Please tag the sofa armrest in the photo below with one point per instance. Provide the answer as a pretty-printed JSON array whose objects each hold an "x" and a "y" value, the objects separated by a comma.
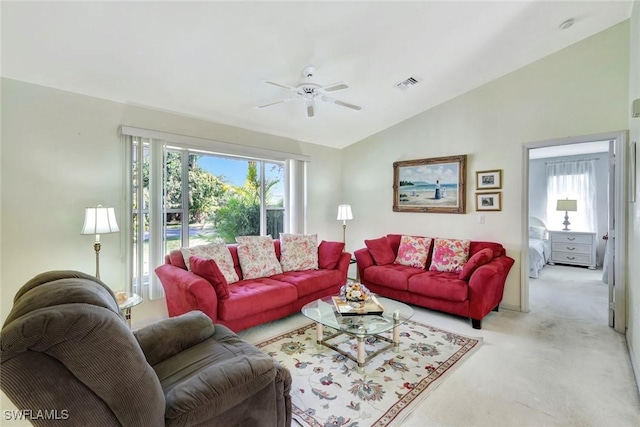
[
  {"x": 364, "y": 260},
  {"x": 219, "y": 388},
  {"x": 486, "y": 286},
  {"x": 169, "y": 337},
  {"x": 186, "y": 291}
]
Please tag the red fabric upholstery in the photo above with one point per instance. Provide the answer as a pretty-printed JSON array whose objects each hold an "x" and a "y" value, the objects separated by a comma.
[
  {"x": 481, "y": 257},
  {"x": 249, "y": 302},
  {"x": 473, "y": 297},
  {"x": 329, "y": 254},
  {"x": 381, "y": 250},
  {"x": 208, "y": 269},
  {"x": 441, "y": 285}
]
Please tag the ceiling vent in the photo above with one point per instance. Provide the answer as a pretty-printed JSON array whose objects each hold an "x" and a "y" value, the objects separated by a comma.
[{"x": 405, "y": 84}]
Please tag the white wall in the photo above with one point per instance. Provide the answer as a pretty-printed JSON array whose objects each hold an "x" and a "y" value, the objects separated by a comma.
[
  {"x": 633, "y": 266},
  {"x": 580, "y": 90},
  {"x": 538, "y": 194},
  {"x": 61, "y": 152}
]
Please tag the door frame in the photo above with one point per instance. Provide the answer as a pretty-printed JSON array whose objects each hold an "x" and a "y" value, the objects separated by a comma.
[{"x": 620, "y": 239}]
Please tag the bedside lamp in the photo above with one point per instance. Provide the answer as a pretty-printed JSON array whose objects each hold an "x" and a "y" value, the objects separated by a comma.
[
  {"x": 344, "y": 215},
  {"x": 99, "y": 220},
  {"x": 567, "y": 206}
]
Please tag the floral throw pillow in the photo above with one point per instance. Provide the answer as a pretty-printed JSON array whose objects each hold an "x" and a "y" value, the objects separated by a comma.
[
  {"x": 257, "y": 257},
  {"x": 449, "y": 255},
  {"x": 216, "y": 251},
  {"x": 413, "y": 251},
  {"x": 298, "y": 252}
]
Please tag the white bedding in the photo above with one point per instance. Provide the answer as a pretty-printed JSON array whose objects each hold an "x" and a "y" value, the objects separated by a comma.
[{"x": 539, "y": 254}]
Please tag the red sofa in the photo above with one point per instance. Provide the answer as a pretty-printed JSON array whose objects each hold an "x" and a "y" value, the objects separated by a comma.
[
  {"x": 474, "y": 297},
  {"x": 256, "y": 301}
]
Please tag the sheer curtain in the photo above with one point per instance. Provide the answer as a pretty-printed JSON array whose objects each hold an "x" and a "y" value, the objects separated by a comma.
[{"x": 572, "y": 180}]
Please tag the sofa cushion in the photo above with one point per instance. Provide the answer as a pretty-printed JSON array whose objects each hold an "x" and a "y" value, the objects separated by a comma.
[
  {"x": 329, "y": 254},
  {"x": 217, "y": 251},
  {"x": 413, "y": 251},
  {"x": 311, "y": 281},
  {"x": 255, "y": 296},
  {"x": 497, "y": 248},
  {"x": 449, "y": 255},
  {"x": 392, "y": 275},
  {"x": 257, "y": 257},
  {"x": 381, "y": 250},
  {"x": 479, "y": 258},
  {"x": 298, "y": 252},
  {"x": 441, "y": 285},
  {"x": 208, "y": 269}
]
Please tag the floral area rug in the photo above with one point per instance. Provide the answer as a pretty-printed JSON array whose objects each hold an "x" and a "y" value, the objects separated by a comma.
[{"x": 328, "y": 390}]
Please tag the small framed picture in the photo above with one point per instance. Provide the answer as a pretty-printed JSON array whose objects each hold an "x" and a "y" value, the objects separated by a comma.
[
  {"x": 489, "y": 180},
  {"x": 489, "y": 201}
]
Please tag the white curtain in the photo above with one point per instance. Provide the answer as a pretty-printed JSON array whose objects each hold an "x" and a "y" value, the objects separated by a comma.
[{"x": 572, "y": 180}]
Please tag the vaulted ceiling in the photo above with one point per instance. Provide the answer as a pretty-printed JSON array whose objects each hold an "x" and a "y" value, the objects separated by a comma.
[{"x": 210, "y": 60}]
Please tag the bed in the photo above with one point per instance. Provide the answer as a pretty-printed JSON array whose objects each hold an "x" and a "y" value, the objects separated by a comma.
[{"x": 539, "y": 246}]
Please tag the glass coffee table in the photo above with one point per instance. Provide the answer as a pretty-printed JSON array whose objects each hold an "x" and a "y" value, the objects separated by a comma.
[{"x": 324, "y": 312}]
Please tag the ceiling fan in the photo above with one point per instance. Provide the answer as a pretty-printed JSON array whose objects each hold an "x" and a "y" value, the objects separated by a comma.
[{"x": 310, "y": 91}]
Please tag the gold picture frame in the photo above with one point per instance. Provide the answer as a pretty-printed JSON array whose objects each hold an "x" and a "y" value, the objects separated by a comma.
[
  {"x": 489, "y": 201},
  {"x": 489, "y": 180},
  {"x": 435, "y": 185}
]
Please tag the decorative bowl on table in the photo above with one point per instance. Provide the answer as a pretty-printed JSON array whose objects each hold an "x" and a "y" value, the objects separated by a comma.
[{"x": 355, "y": 293}]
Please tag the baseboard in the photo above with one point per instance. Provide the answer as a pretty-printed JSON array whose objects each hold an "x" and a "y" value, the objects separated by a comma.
[
  {"x": 634, "y": 366},
  {"x": 510, "y": 307}
]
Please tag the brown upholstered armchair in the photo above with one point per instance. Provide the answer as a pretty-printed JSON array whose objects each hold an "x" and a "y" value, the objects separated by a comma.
[{"x": 67, "y": 351}]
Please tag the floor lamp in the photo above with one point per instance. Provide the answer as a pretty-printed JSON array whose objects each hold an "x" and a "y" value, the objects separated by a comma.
[
  {"x": 99, "y": 220},
  {"x": 344, "y": 215}
]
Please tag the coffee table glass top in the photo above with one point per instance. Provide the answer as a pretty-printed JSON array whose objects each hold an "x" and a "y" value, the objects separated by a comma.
[{"x": 324, "y": 311}]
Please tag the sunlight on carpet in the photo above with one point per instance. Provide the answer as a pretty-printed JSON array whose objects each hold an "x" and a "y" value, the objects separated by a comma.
[{"x": 327, "y": 388}]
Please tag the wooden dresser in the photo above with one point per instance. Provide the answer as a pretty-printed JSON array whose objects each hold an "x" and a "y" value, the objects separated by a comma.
[{"x": 573, "y": 248}]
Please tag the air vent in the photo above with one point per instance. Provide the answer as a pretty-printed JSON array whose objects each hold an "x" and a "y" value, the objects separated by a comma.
[{"x": 411, "y": 81}]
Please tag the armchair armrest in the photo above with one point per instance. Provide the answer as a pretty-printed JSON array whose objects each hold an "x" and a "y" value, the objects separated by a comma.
[
  {"x": 364, "y": 260},
  {"x": 169, "y": 337},
  {"x": 219, "y": 388},
  {"x": 486, "y": 286},
  {"x": 186, "y": 291}
]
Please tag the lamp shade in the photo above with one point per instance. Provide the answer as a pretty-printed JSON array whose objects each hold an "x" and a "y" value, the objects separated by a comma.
[
  {"x": 344, "y": 213},
  {"x": 99, "y": 220},
  {"x": 567, "y": 205}
]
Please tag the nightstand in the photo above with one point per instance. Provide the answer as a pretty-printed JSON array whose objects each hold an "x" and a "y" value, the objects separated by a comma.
[{"x": 573, "y": 248}]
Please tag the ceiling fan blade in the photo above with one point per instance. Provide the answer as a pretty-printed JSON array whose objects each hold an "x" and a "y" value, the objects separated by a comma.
[
  {"x": 280, "y": 85},
  {"x": 335, "y": 86},
  {"x": 275, "y": 103},
  {"x": 341, "y": 103},
  {"x": 311, "y": 109}
]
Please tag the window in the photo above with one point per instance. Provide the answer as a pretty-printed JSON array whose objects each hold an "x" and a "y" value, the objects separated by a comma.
[{"x": 184, "y": 196}]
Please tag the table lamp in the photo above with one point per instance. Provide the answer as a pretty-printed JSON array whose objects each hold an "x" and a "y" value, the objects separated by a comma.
[
  {"x": 99, "y": 220},
  {"x": 344, "y": 215},
  {"x": 567, "y": 206}
]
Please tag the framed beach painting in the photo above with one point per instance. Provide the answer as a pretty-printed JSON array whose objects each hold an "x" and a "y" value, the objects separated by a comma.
[
  {"x": 430, "y": 185},
  {"x": 489, "y": 180},
  {"x": 489, "y": 201}
]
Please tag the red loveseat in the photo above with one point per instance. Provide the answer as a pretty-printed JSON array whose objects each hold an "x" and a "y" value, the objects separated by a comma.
[
  {"x": 474, "y": 296},
  {"x": 256, "y": 301}
]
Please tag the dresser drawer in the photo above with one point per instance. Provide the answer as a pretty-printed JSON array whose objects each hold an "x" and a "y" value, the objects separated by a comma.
[
  {"x": 571, "y": 248},
  {"x": 586, "y": 239},
  {"x": 565, "y": 258}
]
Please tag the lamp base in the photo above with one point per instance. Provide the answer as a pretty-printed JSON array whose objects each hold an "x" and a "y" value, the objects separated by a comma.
[{"x": 566, "y": 222}]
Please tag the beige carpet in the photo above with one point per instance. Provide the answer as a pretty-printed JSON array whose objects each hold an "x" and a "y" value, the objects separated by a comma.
[{"x": 558, "y": 365}]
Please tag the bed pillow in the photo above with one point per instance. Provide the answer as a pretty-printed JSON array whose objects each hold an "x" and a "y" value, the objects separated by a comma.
[
  {"x": 257, "y": 256},
  {"x": 536, "y": 232},
  {"x": 413, "y": 251},
  {"x": 298, "y": 252},
  {"x": 216, "y": 251},
  {"x": 329, "y": 254},
  {"x": 449, "y": 255},
  {"x": 381, "y": 251},
  {"x": 208, "y": 269},
  {"x": 481, "y": 257}
]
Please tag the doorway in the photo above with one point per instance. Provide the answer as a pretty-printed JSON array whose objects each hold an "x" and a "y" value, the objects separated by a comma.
[{"x": 616, "y": 226}]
